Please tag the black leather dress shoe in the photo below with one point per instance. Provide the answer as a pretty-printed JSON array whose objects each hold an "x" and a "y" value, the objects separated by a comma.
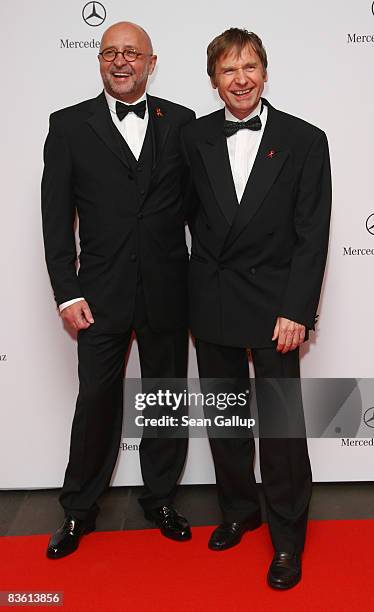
[
  {"x": 66, "y": 539},
  {"x": 228, "y": 534},
  {"x": 285, "y": 570},
  {"x": 171, "y": 524}
]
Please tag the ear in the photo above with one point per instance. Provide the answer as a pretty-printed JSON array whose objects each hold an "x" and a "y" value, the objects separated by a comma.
[
  {"x": 265, "y": 76},
  {"x": 152, "y": 64}
]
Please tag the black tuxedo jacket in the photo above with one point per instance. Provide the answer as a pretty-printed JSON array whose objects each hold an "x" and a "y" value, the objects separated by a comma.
[
  {"x": 265, "y": 257},
  {"x": 122, "y": 226}
]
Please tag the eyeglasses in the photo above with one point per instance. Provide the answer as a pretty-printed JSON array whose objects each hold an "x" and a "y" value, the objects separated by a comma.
[{"x": 130, "y": 55}]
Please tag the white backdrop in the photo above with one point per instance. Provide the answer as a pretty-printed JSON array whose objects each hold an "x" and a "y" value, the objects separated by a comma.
[{"x": 319, "y": 69}]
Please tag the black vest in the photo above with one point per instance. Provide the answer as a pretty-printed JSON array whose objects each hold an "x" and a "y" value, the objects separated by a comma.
[
  {"x": 141, "y": 169},
  {"x": 140, "y": 172}
]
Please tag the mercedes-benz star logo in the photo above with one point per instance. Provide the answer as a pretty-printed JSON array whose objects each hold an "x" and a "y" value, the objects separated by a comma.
[
  {"x": 369, "y": 417},
  {"x": 94, "y": 14},
  {"x": 370, "y": 224}
]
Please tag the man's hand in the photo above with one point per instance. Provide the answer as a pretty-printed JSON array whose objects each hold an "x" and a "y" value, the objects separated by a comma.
[
  {"x": 289, "y": 334},
  {"x": 78, "y": 316}
]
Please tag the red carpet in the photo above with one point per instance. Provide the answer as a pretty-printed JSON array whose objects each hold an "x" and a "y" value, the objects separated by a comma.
[{"x": 141, "y": 570}]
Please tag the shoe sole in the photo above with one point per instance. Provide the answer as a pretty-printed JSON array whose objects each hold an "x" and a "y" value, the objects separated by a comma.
[
  {"x": 282, "y": 587},
  {"x": 176, "y": 539}
]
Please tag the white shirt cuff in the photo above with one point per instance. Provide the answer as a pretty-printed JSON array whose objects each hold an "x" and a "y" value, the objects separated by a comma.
[{"x": 69, "y": 303}]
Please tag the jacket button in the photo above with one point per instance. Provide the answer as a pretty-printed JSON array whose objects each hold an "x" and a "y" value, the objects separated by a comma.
[
  {"x": 140, "y": 168},
  {"x": 133, "y": 257},
  {"x": 208, "y": 227},
  {"x": 140, "y": 216},
  {"x": 253, "y": 270},
  {"x": 142, "y": 192}
]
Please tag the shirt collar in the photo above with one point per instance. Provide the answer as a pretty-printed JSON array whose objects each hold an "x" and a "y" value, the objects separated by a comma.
[
  {"x": 112, "y": 101},
  {"x": 230, "y": 117}
]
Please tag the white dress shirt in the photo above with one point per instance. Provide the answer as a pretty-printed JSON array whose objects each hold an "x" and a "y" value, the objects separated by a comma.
[
  {"x": 243, "y": 148},
  {"x": 133, "y": 129}
]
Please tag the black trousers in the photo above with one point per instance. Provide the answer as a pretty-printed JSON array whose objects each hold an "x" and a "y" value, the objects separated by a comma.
[
  {"x": 284, "y": 461},
  {"x": 97, "y": 424}
]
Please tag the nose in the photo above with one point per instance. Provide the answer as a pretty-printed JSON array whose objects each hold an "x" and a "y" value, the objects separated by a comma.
[
  {"x": 241, "y": 77},
  {"x": 119, "y": 60}
]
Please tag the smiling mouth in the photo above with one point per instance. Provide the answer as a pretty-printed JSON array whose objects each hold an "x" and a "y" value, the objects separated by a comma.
[
  {"x": 242, "y": 92},
  {"x": 121, "y": 75}
]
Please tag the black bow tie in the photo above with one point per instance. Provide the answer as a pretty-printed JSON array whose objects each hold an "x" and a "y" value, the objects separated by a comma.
[
  {"x": 231, "y": 127},
  {"x": 123, "y": 109}
]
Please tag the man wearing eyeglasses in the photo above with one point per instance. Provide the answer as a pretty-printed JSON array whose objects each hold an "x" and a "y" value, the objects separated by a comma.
[{"x": 116, "y": 161}]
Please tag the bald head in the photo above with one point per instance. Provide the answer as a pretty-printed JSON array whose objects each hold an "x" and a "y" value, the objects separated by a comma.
[
  {"x": 124, "y": 30},
  {"x": 125, "y": 78}
]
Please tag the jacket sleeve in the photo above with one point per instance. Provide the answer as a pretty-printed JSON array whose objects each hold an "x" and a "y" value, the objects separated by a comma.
[
  {"x": 58, "y": 215},
  {"x": 311, "y": 222},
  {"x": 191, "y": 200}
]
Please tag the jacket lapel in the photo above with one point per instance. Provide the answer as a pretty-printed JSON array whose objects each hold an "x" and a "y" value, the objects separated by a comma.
[
  {"x": 213, "y": 150},
  {"x": 101, "y": 122},
  {"x": 160, "y": 127},
  {"x": 268, "y": 164}
]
